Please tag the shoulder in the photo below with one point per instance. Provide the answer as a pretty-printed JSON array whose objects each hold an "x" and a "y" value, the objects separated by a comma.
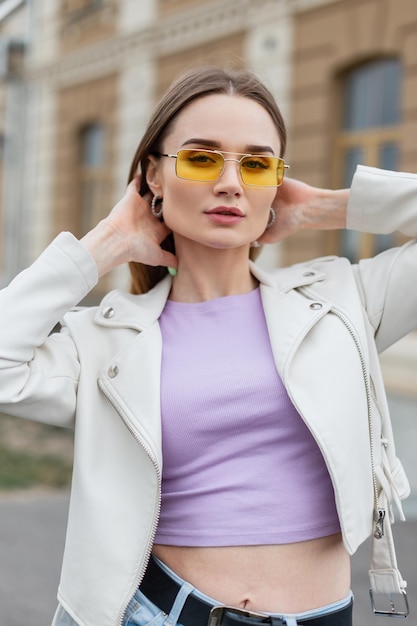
[
  {"x": 305, "y": 273},
  {"x": 119, "y": 309}
]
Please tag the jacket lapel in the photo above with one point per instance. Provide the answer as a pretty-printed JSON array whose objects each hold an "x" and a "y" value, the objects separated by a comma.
[
  {"x": 131, "y": 378},
  {"x": 288, "y": 314}
]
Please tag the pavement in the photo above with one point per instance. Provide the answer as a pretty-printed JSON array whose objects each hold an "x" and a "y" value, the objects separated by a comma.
[{"x": 32, "y": 532}]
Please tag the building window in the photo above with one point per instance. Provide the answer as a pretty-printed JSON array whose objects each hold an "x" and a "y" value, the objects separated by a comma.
[
  {"x": 369, "y": 135},
  {"x": 92, "y": 140},
  {"x": 79, "y": 9}
]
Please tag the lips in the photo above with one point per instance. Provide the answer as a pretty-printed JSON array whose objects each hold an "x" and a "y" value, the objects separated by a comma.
[
  {"x": 225, "y": 215},
  {"x": 225, "y": 210}
]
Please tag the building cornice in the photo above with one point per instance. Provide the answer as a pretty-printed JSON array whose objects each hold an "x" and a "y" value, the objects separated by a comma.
[{"x": 167, "y": 35}]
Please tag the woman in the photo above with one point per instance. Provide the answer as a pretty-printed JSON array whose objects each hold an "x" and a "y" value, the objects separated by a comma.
[{"x": 253, "y": 387}]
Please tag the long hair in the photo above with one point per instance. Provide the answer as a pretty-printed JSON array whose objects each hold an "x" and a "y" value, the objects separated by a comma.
[{"x": 196, "y": 83}]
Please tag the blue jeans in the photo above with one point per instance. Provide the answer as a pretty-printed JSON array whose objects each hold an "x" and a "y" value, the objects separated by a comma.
[{"x": 142, "y": 612}]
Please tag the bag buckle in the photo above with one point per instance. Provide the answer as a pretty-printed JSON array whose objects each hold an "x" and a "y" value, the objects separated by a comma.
[
  {"x": 217, "y": 612},
  {"x": 393, "y": 612}
]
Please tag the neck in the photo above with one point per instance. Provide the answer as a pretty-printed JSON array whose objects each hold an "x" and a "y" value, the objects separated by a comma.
[{"x": 207, "y": 273}]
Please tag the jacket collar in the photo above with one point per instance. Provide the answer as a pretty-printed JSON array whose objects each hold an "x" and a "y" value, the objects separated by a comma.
[{"x": 121, "y": 309}]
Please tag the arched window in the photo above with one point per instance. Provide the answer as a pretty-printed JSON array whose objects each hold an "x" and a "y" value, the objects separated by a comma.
[
  {"x": 369, "y": 135},
  {"x": 92, "y": 144}
]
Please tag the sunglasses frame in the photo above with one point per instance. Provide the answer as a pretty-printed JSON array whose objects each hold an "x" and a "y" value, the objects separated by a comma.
[{"x": 222, "y": 153}]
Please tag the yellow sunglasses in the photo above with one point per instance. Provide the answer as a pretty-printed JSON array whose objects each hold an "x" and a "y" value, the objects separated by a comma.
[{"x": 208, "y": 165}]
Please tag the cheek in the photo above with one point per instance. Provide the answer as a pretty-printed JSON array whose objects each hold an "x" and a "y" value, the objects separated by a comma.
[
  {"x": 181, "y": 196},
  {"x": 177, "y": 208},
  {"x": 262, "y": 202},
  {"x": 271, "y": 196}
]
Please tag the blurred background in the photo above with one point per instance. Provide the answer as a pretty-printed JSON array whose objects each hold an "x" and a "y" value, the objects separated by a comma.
[{"x": 79, "y": 78}]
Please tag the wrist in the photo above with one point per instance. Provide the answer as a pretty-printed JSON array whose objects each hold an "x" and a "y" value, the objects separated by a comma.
[
  {"x": 326, "y": 209},
  {"x": 106, "y": 246}
]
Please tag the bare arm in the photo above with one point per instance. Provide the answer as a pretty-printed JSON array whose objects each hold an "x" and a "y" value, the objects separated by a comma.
[
  {"x": 299, "y": 206},
  {"x": 129, "y": 233}
]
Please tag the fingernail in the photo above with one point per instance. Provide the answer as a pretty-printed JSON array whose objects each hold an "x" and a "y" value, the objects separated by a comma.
[{"x": 172, "y": 271}]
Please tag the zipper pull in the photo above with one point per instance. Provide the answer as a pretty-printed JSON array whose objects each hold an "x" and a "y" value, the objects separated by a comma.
[{"x": 379, "y": 523}]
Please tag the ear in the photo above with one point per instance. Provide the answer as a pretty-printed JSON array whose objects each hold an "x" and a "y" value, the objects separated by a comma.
[{"x": 153, "y": 175}]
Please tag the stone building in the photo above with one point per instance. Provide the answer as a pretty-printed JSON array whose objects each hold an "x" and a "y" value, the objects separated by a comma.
[{"x": 78, "y": 79}]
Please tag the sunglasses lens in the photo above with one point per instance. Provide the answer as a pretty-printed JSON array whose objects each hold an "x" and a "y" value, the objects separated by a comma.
[
  {"x": 262, "y": 171},
  {"x": 206, "y": 165},
  {"x": 199, "y": 165}
]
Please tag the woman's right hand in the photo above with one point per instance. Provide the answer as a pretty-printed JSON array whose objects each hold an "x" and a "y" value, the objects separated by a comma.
[{"x": 129, "y": 233}]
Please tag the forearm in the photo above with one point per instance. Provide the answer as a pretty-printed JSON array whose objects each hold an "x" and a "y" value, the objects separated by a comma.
[
  {"x": 129, "y": 233},
  {"x": 379, "y": 201},
  {"x": 106, "y": 246},
  {"x": 300, "y": 206},
  {"x": 326, "y": 210}
]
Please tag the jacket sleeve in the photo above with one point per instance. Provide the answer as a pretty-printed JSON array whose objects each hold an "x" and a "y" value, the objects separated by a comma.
[
  {"x": 39, "y": 370},
  {"x": 382, "y": 201}
]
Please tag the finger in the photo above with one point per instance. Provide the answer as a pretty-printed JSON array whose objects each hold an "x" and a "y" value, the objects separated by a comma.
[
  {"x": 148, "y": 197},
  {"x": 134, "y": 184},
  {"x": 169, "y": 260},
  {"x": 162, "y": 230}
]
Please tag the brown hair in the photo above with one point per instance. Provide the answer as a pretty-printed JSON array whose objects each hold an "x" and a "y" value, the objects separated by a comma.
[{"x": 196, "y": 83}]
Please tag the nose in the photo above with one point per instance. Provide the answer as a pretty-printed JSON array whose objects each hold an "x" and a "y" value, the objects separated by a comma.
[{"x": 229, "y": 181}]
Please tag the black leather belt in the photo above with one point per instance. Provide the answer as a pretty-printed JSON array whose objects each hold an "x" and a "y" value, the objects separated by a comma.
[{"x": 162, "y": 590}]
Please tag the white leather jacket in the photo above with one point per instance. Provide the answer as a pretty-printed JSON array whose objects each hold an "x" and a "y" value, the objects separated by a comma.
[{"x": 326, "y": 319}]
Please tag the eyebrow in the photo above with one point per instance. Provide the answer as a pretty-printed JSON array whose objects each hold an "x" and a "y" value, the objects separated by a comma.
[{"x": 215, "y": 145}]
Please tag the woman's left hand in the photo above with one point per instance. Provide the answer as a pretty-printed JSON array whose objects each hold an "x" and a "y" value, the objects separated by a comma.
[{"x": 298, "y": 206}]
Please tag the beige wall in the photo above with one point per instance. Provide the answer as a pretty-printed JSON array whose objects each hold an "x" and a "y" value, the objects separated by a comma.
[
  {"x": 170, "y": 7},
  {"x": 94, "y": 101},
  {"x": 78, "y": 106},
  {"x": 225, "y": 50},
  {"x": 331, "y": 39},
  {"x": 328, "y": 40},
  {"x": 84, "y": 22}
]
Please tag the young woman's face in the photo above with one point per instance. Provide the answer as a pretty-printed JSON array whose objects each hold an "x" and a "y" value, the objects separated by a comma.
[{"x": 224, "y": 213}]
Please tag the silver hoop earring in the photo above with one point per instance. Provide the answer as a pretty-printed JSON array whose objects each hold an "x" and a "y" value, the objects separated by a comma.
[
  {"x": 271, "y": 218},
  {"x": 154, "y": 211}
]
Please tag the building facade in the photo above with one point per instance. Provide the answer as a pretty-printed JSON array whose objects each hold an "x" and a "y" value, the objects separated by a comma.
[{"x": 78, "y": 80}]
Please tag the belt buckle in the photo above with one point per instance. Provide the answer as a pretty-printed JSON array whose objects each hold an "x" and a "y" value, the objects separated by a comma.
[
  {"x": 393, "y": 612},
  {"x": 217, "y": 612}
]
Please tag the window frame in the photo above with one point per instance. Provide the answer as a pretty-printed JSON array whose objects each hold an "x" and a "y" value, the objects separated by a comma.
[{"x": 369, "y": 140}]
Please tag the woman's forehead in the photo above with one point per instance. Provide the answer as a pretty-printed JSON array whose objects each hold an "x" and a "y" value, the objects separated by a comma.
[{"x": 222, "y": 118}]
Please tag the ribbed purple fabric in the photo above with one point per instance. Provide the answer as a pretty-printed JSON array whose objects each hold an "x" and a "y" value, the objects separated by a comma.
[{"x": 240, "y": 465}]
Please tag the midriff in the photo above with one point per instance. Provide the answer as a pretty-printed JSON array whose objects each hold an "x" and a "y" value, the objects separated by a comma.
[{"x": 288, "y": 578}]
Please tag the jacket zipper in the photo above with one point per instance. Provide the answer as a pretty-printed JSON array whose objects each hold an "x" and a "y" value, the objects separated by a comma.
[
  {"x": 379, "y": 512},
  {"x": 148, "y": 451}
]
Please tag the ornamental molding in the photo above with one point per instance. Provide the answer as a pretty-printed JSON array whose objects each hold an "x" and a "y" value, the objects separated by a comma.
[{"x": 164, "y": 36}]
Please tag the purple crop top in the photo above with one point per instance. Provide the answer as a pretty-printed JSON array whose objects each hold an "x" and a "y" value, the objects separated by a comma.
[{"x": 240, "y": 466}]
